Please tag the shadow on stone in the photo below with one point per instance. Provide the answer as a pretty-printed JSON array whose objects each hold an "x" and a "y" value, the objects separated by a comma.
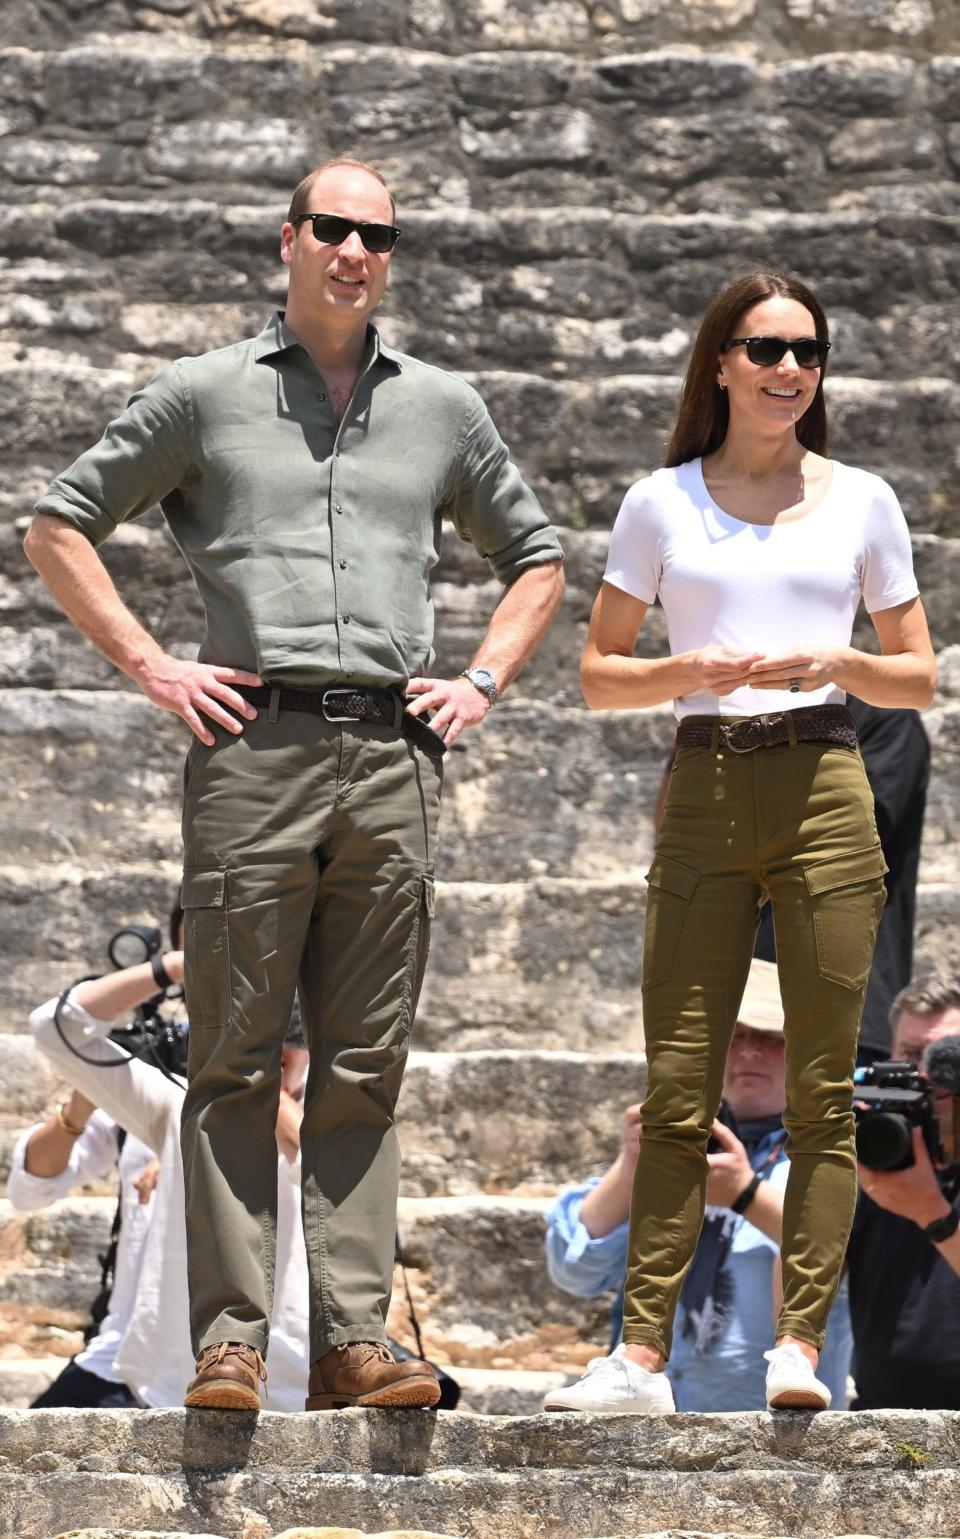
[
  {"x": 399, "y": 1442},
  {"x": 217, "y": 1441}
]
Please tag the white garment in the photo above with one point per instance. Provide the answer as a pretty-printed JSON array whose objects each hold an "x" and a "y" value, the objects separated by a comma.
[
  {"x": 95, "y": 1154},
  {"x": 155, "y": 1359},
  {"x": 770, "y": 588}
]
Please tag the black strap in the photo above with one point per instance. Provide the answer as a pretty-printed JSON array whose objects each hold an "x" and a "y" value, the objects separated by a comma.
[
  {"x": 354, "y": 704},
  {"x": 746, "y": 1196}
]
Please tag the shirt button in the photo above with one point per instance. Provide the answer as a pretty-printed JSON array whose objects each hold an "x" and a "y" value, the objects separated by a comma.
[
  {"x": 346, "y": 619},
  {"x": 339, "y": 509},
  {"x": 342, "y": 565},
  {"x": 321, "y": 396}
]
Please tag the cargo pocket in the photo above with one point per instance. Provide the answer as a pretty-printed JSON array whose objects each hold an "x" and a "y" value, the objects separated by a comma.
[
  {"x": 671, "y": 886},
  {"x": 206, "y": 947},
  {"x": 417, "y": 949},
  {"x": 847, "y": 895}
]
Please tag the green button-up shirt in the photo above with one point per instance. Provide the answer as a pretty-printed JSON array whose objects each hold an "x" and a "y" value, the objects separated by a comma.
[{"x": 311, "y": 543}]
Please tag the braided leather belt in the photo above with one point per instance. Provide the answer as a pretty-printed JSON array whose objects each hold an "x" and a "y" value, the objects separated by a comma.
[
  {"x": 338, "y": 704},
  {"x": 811, "y": 724}
]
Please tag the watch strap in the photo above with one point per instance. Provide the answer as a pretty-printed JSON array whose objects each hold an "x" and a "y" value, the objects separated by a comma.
[
  {"x": 942, "y": 1228},
  {"x": 161, "y": 977},
  {"x": 746, "y": 1196}
]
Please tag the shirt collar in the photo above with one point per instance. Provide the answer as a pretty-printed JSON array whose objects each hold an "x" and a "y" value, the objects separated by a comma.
[{"x": 276, "y": 337}]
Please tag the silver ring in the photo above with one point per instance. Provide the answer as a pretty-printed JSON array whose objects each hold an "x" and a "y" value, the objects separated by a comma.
[{"x": 794, "y": 686}]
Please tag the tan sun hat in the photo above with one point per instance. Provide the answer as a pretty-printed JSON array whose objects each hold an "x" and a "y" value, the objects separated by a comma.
[{"x": 762, "y": 1007}]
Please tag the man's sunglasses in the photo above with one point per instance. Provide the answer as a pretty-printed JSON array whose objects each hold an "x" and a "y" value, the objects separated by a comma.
[
  {"x": 809, "y": 352},
  {"x": 332, "y": 229}
]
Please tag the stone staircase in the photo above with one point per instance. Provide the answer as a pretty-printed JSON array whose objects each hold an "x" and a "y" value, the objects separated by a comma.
[{"x": 575, "y": 178}]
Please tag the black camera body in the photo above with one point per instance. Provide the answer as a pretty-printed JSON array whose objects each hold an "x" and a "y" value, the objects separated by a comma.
[
  {"x": 149, "y": 1035},
  {"x": 889, "y": 1101}
]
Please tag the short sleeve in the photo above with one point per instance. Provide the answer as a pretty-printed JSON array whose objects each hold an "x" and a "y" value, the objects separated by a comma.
[
  {"x": 493, "y": 507},
  {"x": 634, "y": 562},
  {"x": 887, "y": 574},
  {"x": 143, "y": 456}
]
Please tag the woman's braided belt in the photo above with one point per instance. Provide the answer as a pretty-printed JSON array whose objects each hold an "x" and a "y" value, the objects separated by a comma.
[{"x": 810, "y": 724}]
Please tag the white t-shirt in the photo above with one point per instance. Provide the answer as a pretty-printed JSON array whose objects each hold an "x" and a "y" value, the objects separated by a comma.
[{"x": 760, "y": 587}]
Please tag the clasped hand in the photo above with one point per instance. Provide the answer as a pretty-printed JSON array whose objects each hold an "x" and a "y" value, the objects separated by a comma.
[{"x": 723, "y": 669}]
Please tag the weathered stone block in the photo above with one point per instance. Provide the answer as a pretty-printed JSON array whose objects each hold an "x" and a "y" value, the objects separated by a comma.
[
  {"x": 232, "y": 149},
  {"x": 945, "y": 78},
  {"x": 674, "y": 150},
  {"x": 893, "y": 18},
  {"x": 847, "y": 83},
  {"x": 541, "y": 137},
  {"x": 873, "y": 144},
  {"x": 669, "y": 76}
]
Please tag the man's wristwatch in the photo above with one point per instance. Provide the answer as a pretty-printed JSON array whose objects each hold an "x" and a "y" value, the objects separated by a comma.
[
  {"x": 482, "y": 679},
  {"x": 942, "y": 1228}
]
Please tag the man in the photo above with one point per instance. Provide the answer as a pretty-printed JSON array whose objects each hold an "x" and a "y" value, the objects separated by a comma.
[
  {"x": 727, "y": 1308},
  {"x": 304, "y": 473},
  {"x": 904, "y": 1255},
  {"x": 149, "y": 1313}
]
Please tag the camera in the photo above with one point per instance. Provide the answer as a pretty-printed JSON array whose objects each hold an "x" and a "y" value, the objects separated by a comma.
[
  {"x": 149, "y": 1035},
  {"x": 889, "y": 1101}
]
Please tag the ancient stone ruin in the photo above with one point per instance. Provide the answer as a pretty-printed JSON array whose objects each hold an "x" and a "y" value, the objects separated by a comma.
[{"x": 574, "y": 179}]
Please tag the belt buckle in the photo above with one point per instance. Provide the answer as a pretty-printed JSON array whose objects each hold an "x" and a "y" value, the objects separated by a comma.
[
  {"x": 328, "y": 715},
  {"x": 749, "y": 723}
]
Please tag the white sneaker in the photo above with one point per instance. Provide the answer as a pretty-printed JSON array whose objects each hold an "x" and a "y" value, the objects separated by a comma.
[
  {"x": 613, "y": 1384},
  {"x": 792, "y": 1383}
]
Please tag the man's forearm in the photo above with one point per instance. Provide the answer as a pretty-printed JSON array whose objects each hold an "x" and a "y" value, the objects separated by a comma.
[
  {"x": 84, "y": 589},
  {"x": 520, "y": 622},
  {"x": 607, "y": 1206}
]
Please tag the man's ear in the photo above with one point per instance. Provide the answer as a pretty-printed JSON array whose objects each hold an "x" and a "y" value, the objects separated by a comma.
[{"x": 288, "y": 235}]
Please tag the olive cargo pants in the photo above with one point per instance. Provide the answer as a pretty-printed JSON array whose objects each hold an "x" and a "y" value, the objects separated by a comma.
[
  {"x": 308, "y": 861},
  {"x": 794, "y": 822}
]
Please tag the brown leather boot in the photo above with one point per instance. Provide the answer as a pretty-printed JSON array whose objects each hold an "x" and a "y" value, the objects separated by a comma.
[
  {"x": 229, "y": 1375},
  {"x": 366, "y": 1373}
]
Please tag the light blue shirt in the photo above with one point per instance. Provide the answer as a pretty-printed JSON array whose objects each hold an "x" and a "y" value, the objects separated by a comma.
[{"x": 732, "y": 1375}]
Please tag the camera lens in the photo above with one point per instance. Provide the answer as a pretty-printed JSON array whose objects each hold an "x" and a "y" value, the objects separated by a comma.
[
  {"x": 134, "y": 944},
  {"x": 884, "y": 1141}
]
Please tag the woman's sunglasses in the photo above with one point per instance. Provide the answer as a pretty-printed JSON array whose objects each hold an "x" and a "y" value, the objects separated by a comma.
[
  {"x": 332, "y": 229},
  {"x": 809, "y": 352}
]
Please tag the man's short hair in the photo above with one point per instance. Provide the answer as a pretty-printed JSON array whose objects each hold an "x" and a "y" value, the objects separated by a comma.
[
  {"x": 929, "y": 994},
  {"x": 300, "y": 202}
]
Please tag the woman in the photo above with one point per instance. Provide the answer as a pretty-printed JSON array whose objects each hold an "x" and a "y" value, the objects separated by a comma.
[{"x": 759, "y": 548}]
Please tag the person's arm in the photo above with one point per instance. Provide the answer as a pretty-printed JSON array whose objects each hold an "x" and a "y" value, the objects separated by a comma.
[
  {"x": 91, "y": 1155},
  {"x": 576, "y": 1262},
  {"x": 904, "y": 674},
  {"x": 145, "y": 455},
  {"x": 49, "y": 1147},
  {"x": 136, "y": 1095},
  {"x": 914, "y": 1193},
  {"x": 289, "y": 1118},
  {"x": 607, "y": 1204},
  {"x": 612, "y": 679},
  {"x": 493, "y": 508},
  {"x": 731, "y": 1174}
]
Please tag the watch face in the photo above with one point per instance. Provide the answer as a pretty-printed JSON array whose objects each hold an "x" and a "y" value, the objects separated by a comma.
[{"x": 483, "y": 677}]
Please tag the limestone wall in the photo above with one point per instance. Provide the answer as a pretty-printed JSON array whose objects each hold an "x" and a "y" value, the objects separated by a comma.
[{"x": 574, "y": 179}]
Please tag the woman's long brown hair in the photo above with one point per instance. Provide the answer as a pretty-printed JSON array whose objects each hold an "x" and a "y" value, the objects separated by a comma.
[{"x": 704, "y": 410}]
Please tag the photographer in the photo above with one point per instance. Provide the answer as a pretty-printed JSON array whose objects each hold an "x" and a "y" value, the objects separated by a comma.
[
  {"x": 904, "y": 1253},
  {"x": 727, "y": 1308},
  {"x": 153, "y": 1353}
]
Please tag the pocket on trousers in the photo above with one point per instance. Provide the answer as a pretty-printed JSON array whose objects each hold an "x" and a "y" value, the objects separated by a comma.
[
  {"x": 847, "y": 894},
  {"x": 418, "y": 948},
  {"x": 671, "y": 886},
  {"x": 206, "y": 947}
]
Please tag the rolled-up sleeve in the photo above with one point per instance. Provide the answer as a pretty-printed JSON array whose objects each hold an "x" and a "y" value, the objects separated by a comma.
[
  {"x": 577, "y": 1263},
  {"x": 493, "y": 507},
  {"x": 144, "y": 455}
]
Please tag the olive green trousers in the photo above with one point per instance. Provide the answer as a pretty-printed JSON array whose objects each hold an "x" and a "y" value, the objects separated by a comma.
[
  {"x": 308, "y": 864},
  {"x": 794, "y": 823}
]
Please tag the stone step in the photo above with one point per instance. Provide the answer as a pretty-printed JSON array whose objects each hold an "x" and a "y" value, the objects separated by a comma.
[
  {"x": 557, "y": 1477},
  {"x": 507, "y": 24},
  {"x": 668, "y": 124},
  {"x": 475, "y": 1267},
  {"x": 492, "y": 1122},
  {"x": 549, "y": 963},
  {"x": 486, "y": 1391},
  {"x": 574, "y": 438}
]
